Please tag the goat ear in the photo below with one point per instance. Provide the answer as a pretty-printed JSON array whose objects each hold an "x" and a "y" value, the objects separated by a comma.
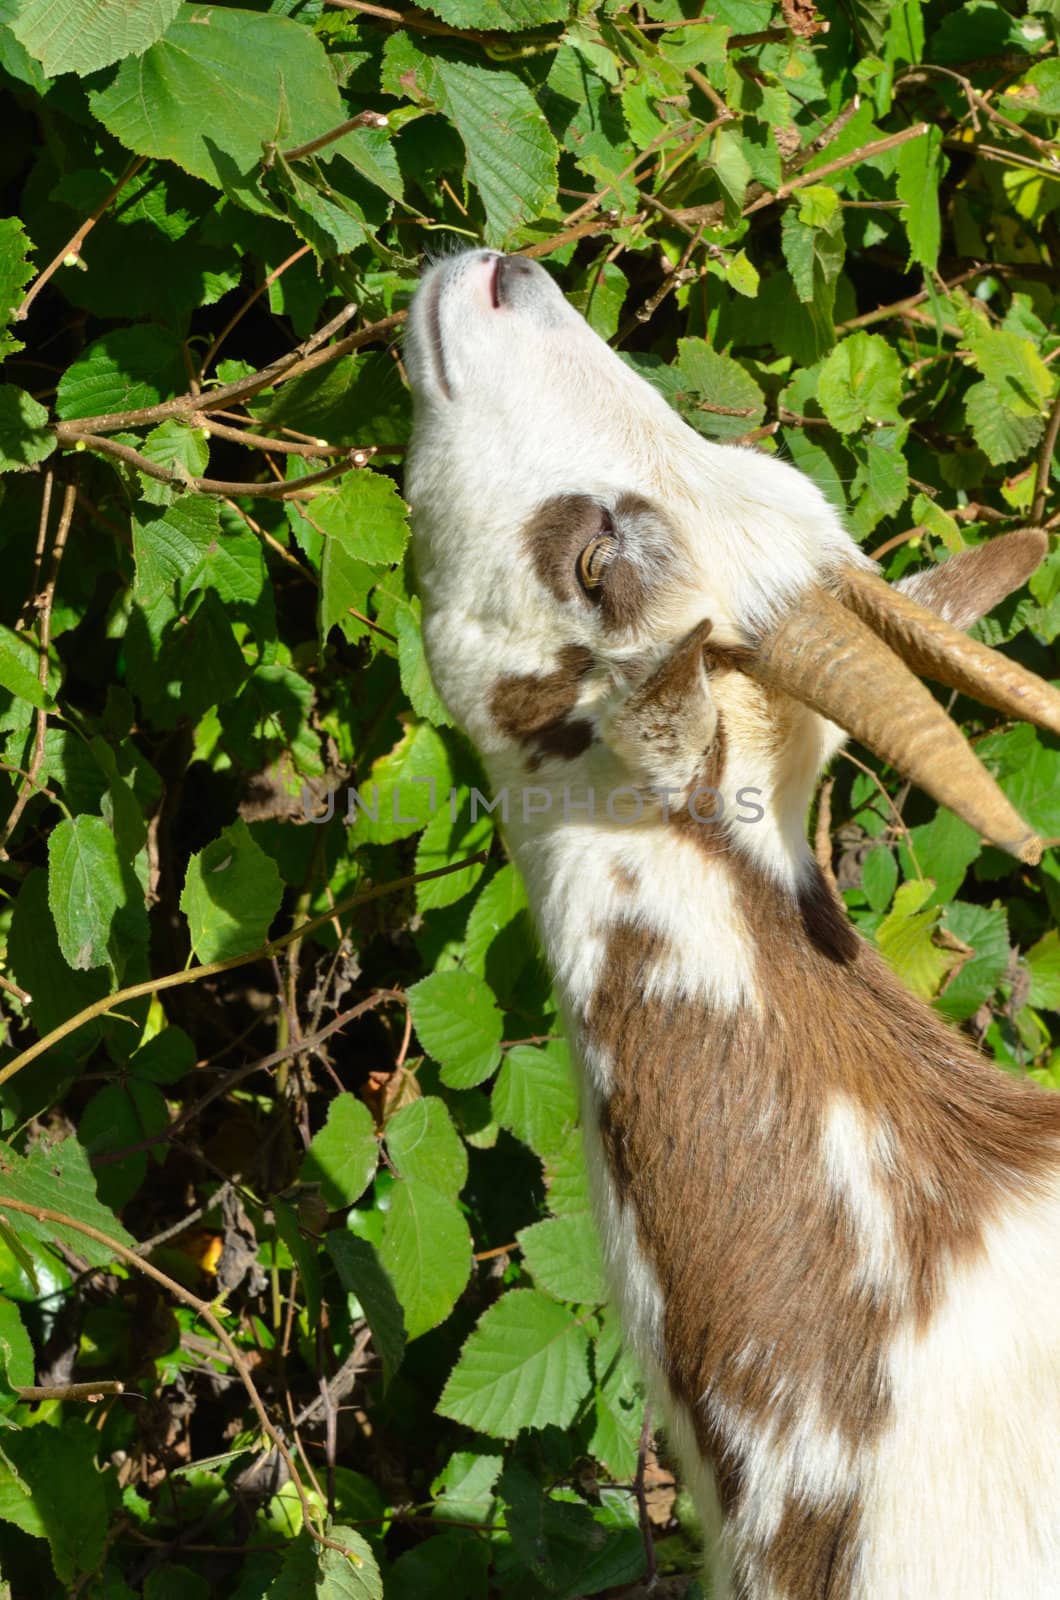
[
  {"x": 968, "y": 585},
  {"x": 662, "y": 731}
]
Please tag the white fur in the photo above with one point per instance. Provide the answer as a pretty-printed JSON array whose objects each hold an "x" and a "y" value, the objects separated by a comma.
[{"x": 854, "y": 1152}]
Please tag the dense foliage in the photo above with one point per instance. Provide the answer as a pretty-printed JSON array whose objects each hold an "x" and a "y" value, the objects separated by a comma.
[{"x": 294, "y": 1237}]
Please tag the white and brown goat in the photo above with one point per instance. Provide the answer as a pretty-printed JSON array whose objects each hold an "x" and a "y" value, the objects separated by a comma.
[{"x": 832, "y": 1227}]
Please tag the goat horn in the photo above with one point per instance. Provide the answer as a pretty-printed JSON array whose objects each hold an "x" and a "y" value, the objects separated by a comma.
[
  {"x": 937, "y": 650},
  {"x": 824, "y": 655}
]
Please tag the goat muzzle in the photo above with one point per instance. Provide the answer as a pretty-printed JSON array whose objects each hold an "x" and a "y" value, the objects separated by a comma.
[{"x": 856, "y": 656}]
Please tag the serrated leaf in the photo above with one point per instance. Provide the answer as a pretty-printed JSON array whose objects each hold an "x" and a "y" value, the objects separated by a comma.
[
  {"x": 415, "y": 674},
  {"x": 443, "y": 842},
  {"x": 907, "y": 938},
  {"x": 219, "y": 86},
  {"x": 512, "y": 157},
  {"x": 89, "y": 35},
  {"x": 366, "y": 514},
  {"x": 426, "y": 1250},
  {"x": 405, "y": 787},
  {"x": 860, "y": 381},
  {"x": 535, "y": 1097},
  {"x": 458, "y": 1024},
  {"x": 58, "y": 1465},
  {"x": 85, "y": 889},
  {"x": 920, "y": 169},
  {"x": 15, "y": 273},
  {"x": 563, "y": 1257},
  {"x": 362, "y": 1274},
  {"x": 984, "y": 929},
  {"x": 525, "y": 1365},
  {"x": 719, "y": 385},
  {"x": 118, "y": 1117},
  {"x": 171, "y": 543},
  {"x": 231, "y": 894},
  {"x": 57, "y": 1177},
  {"x": 19, "y": 665},
  {"x": 423, "y": 1143},
  {"x": 1043, "y": 964},
  {"x": 503, "y": 15},
  {"x": 1000, "y": 434},
  {"x": 24, "y": 435},
  {"x": 879, "y": 876},
  {"x": 314, "y": 1570},
  {"x": 16, "y": 1351},
  {"x": 343, "y": 1156},
  {"x": 124, "y": 370}
]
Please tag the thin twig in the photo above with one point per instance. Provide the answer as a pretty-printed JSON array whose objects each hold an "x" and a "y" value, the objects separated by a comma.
[
  {"x": 237, "y": 316},
  {"x": 363, "y": 119},
  {"x": 44, "y": 604},
  {"x": 642, "y": 1499},
  {"x": 259, "y": 441},
  {"x": 1045, "y": 462},
  {"x": 13, "y": 989},
  {"x": 68, "y": 435},
  {"x": 210, "y": 969},
  {"x": 32, "y": 1393},
  {"x": 73, "y": 245}
]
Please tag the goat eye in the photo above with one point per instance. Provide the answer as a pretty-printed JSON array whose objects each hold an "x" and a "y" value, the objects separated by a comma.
[{"x": 594, "y": 559}]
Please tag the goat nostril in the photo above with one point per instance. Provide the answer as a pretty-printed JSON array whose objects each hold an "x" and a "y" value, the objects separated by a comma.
[
  {"x": 505, "y": 275},
  {"x": 495, "y": 283}
]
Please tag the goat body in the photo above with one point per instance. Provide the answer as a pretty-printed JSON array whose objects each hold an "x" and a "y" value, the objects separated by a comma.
[{"x": 829, "y": 1223}]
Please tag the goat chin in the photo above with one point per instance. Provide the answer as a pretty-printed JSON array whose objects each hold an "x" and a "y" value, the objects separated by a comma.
[{"x": 830, "y": 1225}]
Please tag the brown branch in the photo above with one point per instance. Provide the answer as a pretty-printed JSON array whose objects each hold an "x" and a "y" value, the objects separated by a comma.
[
  {"x": 237, "y": 316},
  {"x": 67, "y": 434},
  {"x": 259, "y": 441},
  {"x": 73, "y": 245},
  {"x": 1045, "y": 462},
  {"x": 13, "y": 989},
  {"x": 173, "y": 980},
  {"x": 304, "y": 358},
  {"x": 31, "y": 1393},
  {"x": 44, "y": 603},
  {"x": 363, "y": 119}
]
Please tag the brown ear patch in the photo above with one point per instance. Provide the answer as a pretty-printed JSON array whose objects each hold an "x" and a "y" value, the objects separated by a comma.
[{"x": 535, "y": 708}]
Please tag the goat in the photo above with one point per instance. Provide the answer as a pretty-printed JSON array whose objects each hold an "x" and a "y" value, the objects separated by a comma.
[{"x": 830, "y": 1225}]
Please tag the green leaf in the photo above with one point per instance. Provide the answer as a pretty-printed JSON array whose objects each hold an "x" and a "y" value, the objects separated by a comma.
[
  {"x": 502, "y": 15},
  {"x": 426, "y": 1250},
  {"x": 405, "y": 788},
  {"x": 85, "y": 889},
  {"x": 920, "y": 168},
  {"x": 879, "y": 876},
  {"x": 16, "y": 1351},
  {"x": 15, "y": 273},
  {"x": 171, "y": 543},
  {"x": 1034, "y": 789},
  {"x": 343, "y": 1156},
  {"x": 89, "y": 35},
  {"x": 231, "y": 894},
  {"x": 19, "y": 663},
  {"x": 524, "y": 1365},
  {"x": 361, "y": 1273},
  {"x": 443, "y": 842},
  {"x": 618, "y": 1401},
  {"x": 415, "y": 674},
  {"x": 907, "y": 938},
  {"x": 310, "y": 1569},
  {"x": 422, "y": 1143},
  {"x": 719, "y": 384},
  {"x": 942, "y": 849},
  {"x": 24, "y": 435},
  {"x": 1001, "y": 434},
  {"x": 1009, "y": 362},
  {"x": 562, "y": 1256},
  {"x": 366, "y": 514},
  {"x": 814, "y": 248},
  {"x": 180, "y": 449},
  {"x": 458, "y": 1024},
  {"x": 512, "y": 157},
  {"x": 861, "y": 381},
  {"x": 1043, "y": 964},
  {"x": 219, "y": 86},
  {"x": 118, "y": 1117},
  {"x": 534, "y": 1096},
  {"x": 57, "y": 1177},
  {"x": 125, "y": 370},
  {"x": 975, "y": 980},
  {"x": 58, "y": 1465}
]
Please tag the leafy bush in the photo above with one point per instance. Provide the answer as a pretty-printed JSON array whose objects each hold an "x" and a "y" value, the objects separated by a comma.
[{"x": 289, "y": 1146}]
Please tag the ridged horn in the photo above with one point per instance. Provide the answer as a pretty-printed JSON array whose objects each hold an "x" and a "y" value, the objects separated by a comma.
[
  {"x": 824, "y": 655},
  {"x": 935, "y": 649}
]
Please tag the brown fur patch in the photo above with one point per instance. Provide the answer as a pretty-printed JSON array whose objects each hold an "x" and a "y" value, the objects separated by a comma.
[
  {"x": 713, "y": 1133},
  {"x": 561, "y": 528},
  {"x": 535, "y": 707}
]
